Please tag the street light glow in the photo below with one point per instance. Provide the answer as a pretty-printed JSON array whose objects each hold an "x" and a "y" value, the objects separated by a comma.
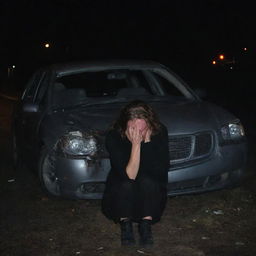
[
  {"x": 213, "y": 62},
  {"x": 47, "y": 45},
  {"x": 221, "y": 56}
]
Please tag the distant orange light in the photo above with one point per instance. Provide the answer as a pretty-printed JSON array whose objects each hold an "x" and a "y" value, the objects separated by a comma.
[
  {"x": 214, "y": 62},
  {"x": 221, "y": 57}
]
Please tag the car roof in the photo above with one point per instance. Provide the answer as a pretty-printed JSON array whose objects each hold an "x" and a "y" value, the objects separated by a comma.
[{"x": 67, "y": 68}]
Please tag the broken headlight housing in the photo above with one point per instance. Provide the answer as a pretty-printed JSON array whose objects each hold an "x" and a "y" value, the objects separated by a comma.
[
  {"x": 232, "y": 131},
  {"x": 77, "y": 144}
]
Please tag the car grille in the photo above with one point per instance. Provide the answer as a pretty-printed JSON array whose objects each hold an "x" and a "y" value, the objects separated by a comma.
[{"x": 188, "y": 148}]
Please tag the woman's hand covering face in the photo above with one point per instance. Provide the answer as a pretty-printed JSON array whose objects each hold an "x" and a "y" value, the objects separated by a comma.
[
  {"x": 137, "y": 131},
  {"x": 148, "y": 135}
]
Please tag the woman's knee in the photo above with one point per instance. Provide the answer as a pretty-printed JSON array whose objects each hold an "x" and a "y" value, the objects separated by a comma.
[
  {"x": 147, "y": 182},
  {"x": 127, "y": 186}
]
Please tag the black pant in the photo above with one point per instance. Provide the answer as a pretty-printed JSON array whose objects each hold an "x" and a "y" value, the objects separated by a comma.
[{"x": 135, "y": 199}]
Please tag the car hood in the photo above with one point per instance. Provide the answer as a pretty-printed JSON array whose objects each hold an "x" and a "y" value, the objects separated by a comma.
[
  {"x": 179, "y": 117},
  {"x": 192, "y": 117}
]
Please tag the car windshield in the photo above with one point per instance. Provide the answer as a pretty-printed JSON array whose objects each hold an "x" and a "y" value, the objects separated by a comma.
[{"x": 111, "y": 85}]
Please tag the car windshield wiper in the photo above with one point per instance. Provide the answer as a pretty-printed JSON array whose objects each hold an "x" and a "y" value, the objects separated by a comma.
[
  {"x": 97, "y": 101},
  {"x": 94, "y": 102}
]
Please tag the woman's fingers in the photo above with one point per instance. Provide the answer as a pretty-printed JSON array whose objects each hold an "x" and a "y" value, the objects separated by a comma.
[
  {"x": 137, "y": 135},
  {"x": 148, "y": 136},
  {"x": 130, "y": 133},
  {"x": 134, "y": 134}
]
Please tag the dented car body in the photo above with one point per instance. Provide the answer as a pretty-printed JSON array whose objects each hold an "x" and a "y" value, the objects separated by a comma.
[{"x": 66, "y": 110}]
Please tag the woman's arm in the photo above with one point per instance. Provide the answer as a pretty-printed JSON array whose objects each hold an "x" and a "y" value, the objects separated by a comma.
[
  {"x": 156, "y": 157},
  {"x": 135, "y": 137},
  {"x": 125, "y": 161}
]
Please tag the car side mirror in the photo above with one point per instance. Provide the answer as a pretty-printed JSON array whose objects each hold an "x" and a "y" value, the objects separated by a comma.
[
  {"x": 200, "y": 92},
  {"x": 30, "y": 107}
]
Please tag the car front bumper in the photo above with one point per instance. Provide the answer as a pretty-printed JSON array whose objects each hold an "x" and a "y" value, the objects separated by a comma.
[
  {"x": 83, "y": 179},
  {"x": 226, "y": 167}
]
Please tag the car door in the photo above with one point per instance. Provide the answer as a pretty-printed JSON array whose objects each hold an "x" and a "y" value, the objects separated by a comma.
[{"x": 31, "y": 109}]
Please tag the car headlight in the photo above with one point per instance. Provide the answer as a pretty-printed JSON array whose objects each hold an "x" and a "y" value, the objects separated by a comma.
[
  {"x": 232, "y": 131},
  {"x": 78, "y": 144}
]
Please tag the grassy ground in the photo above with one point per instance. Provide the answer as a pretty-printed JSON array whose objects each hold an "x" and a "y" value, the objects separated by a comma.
[{"x": 212, "y": 224}]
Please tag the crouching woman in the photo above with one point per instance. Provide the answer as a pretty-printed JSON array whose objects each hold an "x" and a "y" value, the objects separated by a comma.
[{"x": 136, "y": 184}]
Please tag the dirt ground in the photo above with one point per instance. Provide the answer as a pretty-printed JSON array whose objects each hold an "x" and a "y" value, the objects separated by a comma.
[{"x": 213, "y": 224}]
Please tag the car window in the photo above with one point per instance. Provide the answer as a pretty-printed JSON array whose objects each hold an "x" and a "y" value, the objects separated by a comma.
[
  {"x": 32, "y": 87},
  {"x": 111, "y": 83},
  {"x": 167, "y": 86},
  {"x": 40, "y": 94}
]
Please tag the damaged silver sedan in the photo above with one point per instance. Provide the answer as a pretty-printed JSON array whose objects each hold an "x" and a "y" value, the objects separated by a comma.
[{"x": 66, "y": 110}]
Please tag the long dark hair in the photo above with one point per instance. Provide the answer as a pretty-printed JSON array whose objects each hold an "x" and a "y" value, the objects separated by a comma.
[{"x": 137, "y": 109}]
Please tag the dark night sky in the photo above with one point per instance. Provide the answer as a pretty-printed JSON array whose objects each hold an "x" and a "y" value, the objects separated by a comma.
[{"x": 85, "y": 29}]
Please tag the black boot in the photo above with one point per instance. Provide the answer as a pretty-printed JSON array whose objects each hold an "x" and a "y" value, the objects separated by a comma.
[
  {"x": 146, "y": 237},
  {"x": 127, "y": 237}
]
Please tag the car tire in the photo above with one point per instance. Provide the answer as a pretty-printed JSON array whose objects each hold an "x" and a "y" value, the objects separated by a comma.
[{"x": 48, "y": 179}]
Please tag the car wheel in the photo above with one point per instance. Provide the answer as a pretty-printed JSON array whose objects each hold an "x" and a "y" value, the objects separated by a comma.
[{"x": 47, "y": 174}]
